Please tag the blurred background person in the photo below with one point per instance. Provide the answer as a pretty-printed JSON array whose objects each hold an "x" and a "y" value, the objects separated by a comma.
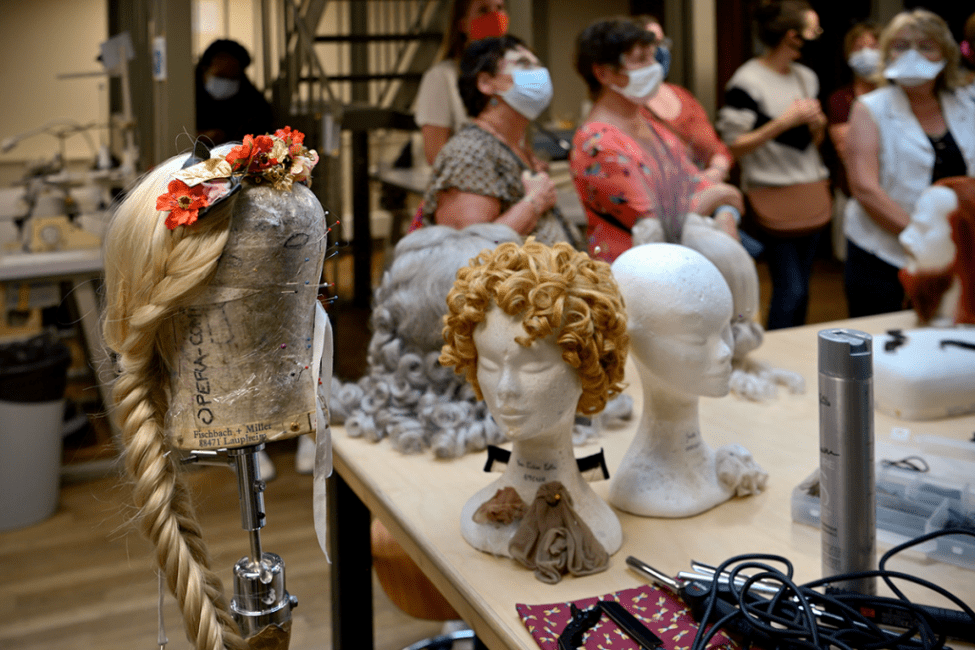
[
  {"x": 968, "y": 54},
  {"x": 913, "y": 130},
  {"x": 677, "y": 109},
  {"x": 439, "y": 110},
  {"x": 487, "y": 172},
  {"x": 627, "y": 167},
  {"x": 773, "y": 125},
  {"x": 228, "y": 106},
  {"x": 862, "y": 55}
]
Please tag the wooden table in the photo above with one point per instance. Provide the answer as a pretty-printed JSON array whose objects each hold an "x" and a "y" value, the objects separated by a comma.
[{"x": 419, "y": 499}]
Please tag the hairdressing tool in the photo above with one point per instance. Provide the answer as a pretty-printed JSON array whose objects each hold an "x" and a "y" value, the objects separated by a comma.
[
  {"x": 629, "y": 624},
  {"x": 583, "y": 620},
  {"x": 801, "y": 612}
]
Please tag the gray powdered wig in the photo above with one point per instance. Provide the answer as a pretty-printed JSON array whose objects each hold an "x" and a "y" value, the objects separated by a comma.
[{"x": 407, "y": 395}]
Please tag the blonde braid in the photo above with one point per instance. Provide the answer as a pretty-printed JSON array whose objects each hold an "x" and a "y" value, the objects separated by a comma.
[{"x": 151, "y": 272}]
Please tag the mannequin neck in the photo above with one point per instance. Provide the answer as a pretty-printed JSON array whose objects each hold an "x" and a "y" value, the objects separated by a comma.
[
  {"x": 544, "y": 458},
  {"x": 666, "y": 408}
]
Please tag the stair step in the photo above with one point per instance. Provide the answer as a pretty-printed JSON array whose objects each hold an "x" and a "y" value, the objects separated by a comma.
[
  {"x": 379, "y": 76},
  {"x": 378, "y": 38}
]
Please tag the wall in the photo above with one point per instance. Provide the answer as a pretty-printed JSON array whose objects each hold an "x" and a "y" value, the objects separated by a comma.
[
  {"x": 63, "y": 37},
  {"x": 40, "y": 40}
]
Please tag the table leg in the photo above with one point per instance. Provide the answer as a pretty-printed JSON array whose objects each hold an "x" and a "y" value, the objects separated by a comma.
[
  {"x": 98, "y": 357},
  {"x": 351, "y": 569}
]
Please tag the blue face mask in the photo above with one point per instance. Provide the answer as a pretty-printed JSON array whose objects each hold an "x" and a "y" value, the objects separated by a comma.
[
  {"x": 663, "y": 58},
  {"x": 531, "y": 92}
]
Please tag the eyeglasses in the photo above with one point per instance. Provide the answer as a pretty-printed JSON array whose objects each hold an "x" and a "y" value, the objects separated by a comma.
[
  {"x": 923, "y": 46},
  {"x": 812, "y": 33}
]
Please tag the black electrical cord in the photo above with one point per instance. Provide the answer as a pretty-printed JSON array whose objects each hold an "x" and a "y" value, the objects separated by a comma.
[{"x": 798, "y": 617}]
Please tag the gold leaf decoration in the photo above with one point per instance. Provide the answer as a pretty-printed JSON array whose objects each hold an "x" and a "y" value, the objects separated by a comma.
[{"x": 205, "y": 171}]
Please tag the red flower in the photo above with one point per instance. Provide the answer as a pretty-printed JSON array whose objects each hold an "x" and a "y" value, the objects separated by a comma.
[
  {"x": 182, "y": 202},
  {"x": 290, "y": 137},
  {"x": 260, "y": 155},
  {"x": 241, "y": 155}
]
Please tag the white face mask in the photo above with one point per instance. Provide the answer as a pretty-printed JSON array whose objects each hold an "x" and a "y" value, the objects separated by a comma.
[
  {"x": 221, "y": 87},
  {"x": 644, "y": 83},
  {"x": 912, "y": 69},
  {"x": 531, "y": 92},
  {"x": 865, "y": 62}
]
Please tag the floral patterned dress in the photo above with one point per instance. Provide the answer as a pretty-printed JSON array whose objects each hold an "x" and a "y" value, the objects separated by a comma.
[{"x": 620, "y": 182}]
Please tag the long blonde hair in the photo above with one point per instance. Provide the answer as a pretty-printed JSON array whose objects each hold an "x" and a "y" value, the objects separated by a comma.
[{"x": 150, "y": 272}]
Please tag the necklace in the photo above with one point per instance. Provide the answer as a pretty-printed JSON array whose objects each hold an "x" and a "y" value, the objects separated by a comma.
[{"x": 516, "y": 148}]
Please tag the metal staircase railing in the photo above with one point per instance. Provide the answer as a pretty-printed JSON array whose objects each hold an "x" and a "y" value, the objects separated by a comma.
[
  {"x": 351, "y": 65},
  {"x": 370, "y": 51}
]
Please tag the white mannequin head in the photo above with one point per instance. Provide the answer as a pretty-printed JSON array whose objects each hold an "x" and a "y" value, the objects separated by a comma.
[
  {"x": 679, "y": 308},
  {"x": 927, "y": 238},
  {"x": 531, "y": 390}
]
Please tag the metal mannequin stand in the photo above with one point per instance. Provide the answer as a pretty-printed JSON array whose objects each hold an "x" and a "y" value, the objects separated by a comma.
[{"x": 261, "y": 605}]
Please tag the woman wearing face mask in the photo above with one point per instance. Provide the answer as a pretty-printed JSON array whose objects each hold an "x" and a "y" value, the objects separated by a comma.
[
  {"x": 773, "y": 125},
  {"x": 487, "y": 172},
  {"x": 680, "y": 111},
  {"x": 910, "y": 132},
  {"x": 863, "y": 57},
  {"x": 439, "y": 110},
  {"x": 627, "y": 168},
  {"x": 228, "y": 106}
]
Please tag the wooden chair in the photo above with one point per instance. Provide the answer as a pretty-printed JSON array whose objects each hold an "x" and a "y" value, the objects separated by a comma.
[{"x": 411, "y": 591}]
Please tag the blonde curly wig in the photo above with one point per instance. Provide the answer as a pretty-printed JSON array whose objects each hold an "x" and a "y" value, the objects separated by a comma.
[{"x": 555, "y": 290}]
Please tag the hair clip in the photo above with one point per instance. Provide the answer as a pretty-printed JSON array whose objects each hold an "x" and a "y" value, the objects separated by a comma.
[
  {"x": 205, "y": 180},
  {"x": 897, "y": 339}
]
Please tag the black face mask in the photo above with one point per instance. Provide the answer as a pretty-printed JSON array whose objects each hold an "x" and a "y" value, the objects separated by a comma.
[{"x": 811, "y": 48}]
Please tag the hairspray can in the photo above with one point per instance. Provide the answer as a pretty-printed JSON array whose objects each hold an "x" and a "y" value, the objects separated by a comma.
[{"x": 846, "y": 466}]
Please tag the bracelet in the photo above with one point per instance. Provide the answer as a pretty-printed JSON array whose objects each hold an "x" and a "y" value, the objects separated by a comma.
[
  {"x": 735, "y": 214},
  {"x": 531, "y": 201}
]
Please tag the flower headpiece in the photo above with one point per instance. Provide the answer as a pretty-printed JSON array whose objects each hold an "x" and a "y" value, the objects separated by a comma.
[{"x": 203, "y": 182}]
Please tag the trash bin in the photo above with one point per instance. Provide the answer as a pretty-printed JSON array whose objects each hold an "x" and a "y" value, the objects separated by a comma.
[{"x": 33, "y": 375}]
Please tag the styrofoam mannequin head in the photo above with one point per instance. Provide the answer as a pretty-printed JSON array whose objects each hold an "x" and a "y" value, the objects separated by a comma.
[
  {"x": 531, "y": 390},
  {"x": 544, "y": 329},
  {"x": 927, "y": 238},
  {"x": 556, "y": 291},
  {"x": 679, "y": 317}
]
